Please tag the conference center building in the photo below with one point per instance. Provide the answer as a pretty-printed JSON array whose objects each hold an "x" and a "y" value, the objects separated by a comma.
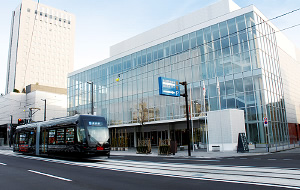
[{"x": 230, "y": 57}]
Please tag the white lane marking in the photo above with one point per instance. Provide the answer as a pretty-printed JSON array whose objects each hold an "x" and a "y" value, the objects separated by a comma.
[
  {"x": 3, "y": 164},
  {"x": 207, "y": 160},
  {"x": 287, "y": 159},
  {"x": 49, "y": 175}
]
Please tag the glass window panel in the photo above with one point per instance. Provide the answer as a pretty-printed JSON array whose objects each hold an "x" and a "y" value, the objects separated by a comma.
[
  {"x": 251, "y": 114},
  {"x": 232, "y": 27},
  {"x": 167, "y": 49},
  {"x": 144, "y": 55},
  {"x": 212, "y": 90},
  {"x": 193, "y": 40},
  {"x": 199, "y": 34},
  {"x": 154, "y": 53},
  {"x": 173, "y": 46},
  {"x": 186, "y": 43},
  {"x": 238, "y": 83},
  {"x": 178, "y": 45},
  {"x": 213, "y": 103},
  {"x": 240, "y": 100},
  {"x": 250, "y": 101},
  {"x": 149, "y": 55},
  {"x": 248, "y": 84},
  {"x": 230, "y": 102},
  {"x": 215, "y": 32},
  {"x": 229, "y": 87},
  {"x": 160, "y": 51},
  {"x": 223, "y": 29}
]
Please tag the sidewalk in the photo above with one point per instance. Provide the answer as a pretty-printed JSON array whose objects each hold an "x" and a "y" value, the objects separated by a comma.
[
  {"x": 202, "y": 153},
  {"x": 199, "y": 153}
]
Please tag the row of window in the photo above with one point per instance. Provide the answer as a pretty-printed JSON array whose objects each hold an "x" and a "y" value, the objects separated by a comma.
[{"x": 50, "y": 16}]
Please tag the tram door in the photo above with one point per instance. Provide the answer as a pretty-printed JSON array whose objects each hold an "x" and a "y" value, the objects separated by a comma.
[{"x": 44, "y": 141}]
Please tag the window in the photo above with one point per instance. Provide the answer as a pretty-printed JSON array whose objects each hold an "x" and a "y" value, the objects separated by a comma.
[
  {"x": 41, "y": 13},
  {"x": 50, "y": 16},
  {"x": 46, "y": 15},
  {"x": 60, "y": 138},
  {"x": 52, "y": 137},
  {"x": 69, "y": 22},
  {"x": 35, "y": 12},
  {"x": 70, "y": 135},
  {"x": 28, "y": 10}
]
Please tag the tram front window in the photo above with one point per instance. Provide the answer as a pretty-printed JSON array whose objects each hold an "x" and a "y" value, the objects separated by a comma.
[{"x": 98, "y": 134}]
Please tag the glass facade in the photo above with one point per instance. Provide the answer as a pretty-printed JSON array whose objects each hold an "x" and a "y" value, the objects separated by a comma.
[{"x": 239, "y": 54}]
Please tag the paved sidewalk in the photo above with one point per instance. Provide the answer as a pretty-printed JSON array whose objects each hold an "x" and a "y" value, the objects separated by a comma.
[
  {"x": 202, "y": 153},
  {"x": 199, "y": 153}
]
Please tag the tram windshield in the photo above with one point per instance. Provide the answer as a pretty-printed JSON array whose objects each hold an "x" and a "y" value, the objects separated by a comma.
[{"x": 98, "y": 132}]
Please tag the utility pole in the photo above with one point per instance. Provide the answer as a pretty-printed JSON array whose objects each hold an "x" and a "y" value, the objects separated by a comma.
[
  {"x": 187, "y": 115},
  {"x": 44, "y": 109},
  {"x": 10, "y": 131},
  {"x": 92, "y": 98}
]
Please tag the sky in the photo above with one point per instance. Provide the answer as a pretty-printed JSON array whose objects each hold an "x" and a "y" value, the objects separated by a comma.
[{"x": 102, "y": 23}]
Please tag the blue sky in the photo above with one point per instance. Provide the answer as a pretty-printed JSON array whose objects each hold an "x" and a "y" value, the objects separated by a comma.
[{"x": 102, "y": 23}]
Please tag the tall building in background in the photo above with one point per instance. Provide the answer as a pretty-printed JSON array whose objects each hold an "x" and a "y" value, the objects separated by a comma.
[{"x": 41, "y": 49}]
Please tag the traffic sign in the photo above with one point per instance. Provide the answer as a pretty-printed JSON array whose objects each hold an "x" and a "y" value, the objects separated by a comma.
[
  {"x": 168, "y": 87},
  {"x": 265, "y": 121}
]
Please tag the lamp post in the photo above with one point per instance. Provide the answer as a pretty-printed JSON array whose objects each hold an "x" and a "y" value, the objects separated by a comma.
[
  {"x": 44, "y": 109},
  {"x": 92, "y": 107}
]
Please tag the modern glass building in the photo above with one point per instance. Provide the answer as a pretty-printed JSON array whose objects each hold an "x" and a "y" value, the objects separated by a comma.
[{"x": 233, "y": 52}]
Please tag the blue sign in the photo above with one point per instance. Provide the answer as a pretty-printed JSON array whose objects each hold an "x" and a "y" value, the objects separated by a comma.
[{"x": 168, "y": 87}]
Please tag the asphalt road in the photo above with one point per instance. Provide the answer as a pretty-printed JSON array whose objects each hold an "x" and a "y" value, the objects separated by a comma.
[{"x": 273, "y": 171}]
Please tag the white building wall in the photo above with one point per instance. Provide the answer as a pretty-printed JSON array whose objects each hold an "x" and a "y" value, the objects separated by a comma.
[
  {"x": 224, "y": 127},
  {"x": 12, "y": 104},
  {"x": 56, "y": 105},
  {"x": 44, "y": 47},
  {"x": 18, "y": 104},
  {"x": 290, "y": 68}
]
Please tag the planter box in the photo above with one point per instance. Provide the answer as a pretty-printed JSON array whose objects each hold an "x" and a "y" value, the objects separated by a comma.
[
  {"x": 164, "y": 149},
  {"x": 142, "y": 150}
]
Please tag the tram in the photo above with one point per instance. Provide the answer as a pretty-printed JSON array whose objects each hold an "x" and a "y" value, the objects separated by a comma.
[{"x": 80, "y": 134}]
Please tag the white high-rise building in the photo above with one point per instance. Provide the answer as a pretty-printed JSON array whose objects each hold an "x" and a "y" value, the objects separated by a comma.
[{"x": 41, "y": 49}]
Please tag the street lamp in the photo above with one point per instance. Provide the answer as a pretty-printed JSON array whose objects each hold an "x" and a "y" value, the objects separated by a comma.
[
  {"x": 44, "y": 109},
  {"x": 92, "y": 107}
]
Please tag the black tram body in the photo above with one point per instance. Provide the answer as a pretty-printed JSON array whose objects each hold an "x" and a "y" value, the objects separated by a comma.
[{"x": 79, "y": 134}]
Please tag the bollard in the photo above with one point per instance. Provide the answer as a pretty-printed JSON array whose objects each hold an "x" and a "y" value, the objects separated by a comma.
[{"x": 276, "y": 146}]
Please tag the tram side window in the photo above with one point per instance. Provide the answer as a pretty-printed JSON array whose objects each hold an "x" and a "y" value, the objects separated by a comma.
[
  {"x": 52, "y": 136},
  {"x": 23, "y": 138},
  {"x": 60, "y": 138},
  {"x": 70, "y": 135}
]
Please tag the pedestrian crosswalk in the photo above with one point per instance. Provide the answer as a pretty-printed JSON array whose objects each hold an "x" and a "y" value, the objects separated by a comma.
[{"x": 262, "y": 176}]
